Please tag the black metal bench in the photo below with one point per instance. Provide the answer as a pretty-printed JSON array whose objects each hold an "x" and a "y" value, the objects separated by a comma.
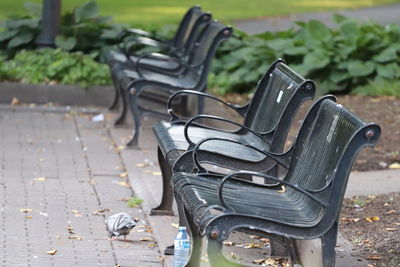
[
  {"x": 173, "y": 51},
  {"x": 158, "y": 86},
  {"x": 318, "y": 166},
  {"x": 267, "y": 118}
]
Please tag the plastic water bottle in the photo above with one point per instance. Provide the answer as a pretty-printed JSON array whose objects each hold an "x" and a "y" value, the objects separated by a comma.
[{"x": 181, "y": 248}]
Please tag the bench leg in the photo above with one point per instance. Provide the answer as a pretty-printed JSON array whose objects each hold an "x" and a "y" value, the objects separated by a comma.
[
  {"x": 123, "y": 94},
  {"x": 196, "y": 239},
  {"x": 165, "y": 207},
  {"x": 116, "y": 95},
  {"x": 328, "y": 246},
  {"x": 137, "y": 118}
]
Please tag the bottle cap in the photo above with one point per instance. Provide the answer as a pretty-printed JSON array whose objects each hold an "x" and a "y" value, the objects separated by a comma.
[{"x": 182, "y": 228}]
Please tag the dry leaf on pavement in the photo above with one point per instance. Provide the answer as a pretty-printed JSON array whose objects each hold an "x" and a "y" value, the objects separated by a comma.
[
  {"x": 394, "y": 166},
  {"x": 123, "y": 175},
  {"x": 51, "y": 252},
  {"x": 25, "y": 210}
]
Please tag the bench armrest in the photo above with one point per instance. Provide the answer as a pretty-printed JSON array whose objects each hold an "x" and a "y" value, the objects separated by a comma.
[
  {"x": 192, "y": 122},
  {"x": 281, "y": 159},
  {"x": 267, "y": 177},
  {"x": 138, "y": 31},
  {"x": 145, "y": 41},
  {"x": 157, "y": 56},
  {"x": 175, "y": 117}
]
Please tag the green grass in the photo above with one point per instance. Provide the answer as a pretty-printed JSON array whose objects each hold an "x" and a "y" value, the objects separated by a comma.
[{"x": 156, "y": 12}]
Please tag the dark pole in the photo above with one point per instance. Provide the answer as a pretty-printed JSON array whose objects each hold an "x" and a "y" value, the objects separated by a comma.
[{"x": 50, "y": 23}]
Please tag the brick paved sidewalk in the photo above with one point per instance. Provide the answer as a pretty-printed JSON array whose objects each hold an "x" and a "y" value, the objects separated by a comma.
[{"x": 63, "y": 168}]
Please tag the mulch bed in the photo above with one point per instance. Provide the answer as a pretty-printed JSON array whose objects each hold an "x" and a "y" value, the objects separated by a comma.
[{"x": 372, "y": 225}]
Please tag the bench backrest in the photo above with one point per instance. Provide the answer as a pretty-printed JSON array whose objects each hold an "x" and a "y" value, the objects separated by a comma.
[
  {"x": 276, "y": 99},
  {"x": 189, "y": 28},
  {"x": 323, "y": 153},
  {"x": 204, "y": 50}
]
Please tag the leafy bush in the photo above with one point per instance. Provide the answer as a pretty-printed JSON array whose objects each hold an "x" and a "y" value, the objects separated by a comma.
[
  {"x": 54, "y": 66},
  {"x": 81, "y": 30},
  {"x": 340, "y": 59}
]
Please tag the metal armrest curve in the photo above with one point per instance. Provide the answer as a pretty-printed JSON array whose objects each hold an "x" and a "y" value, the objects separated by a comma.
[
  {"x": 175, "y": 116},
  {"x": 281, "y": 159},
  {"x": 283, "y": 182}
]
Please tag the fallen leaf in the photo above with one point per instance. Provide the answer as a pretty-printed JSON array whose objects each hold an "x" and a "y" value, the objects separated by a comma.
[
  {"x": 100, "y": 211},
  {"x": 375, "y": 218},
  {"x": 394, "y": 166},
  {"x": 391, "y": 229},
  {"x": 121, "y": 147},
  {"x": 283, "y": 190},
  {"x": 75, "y": 237},
  {"x": 372, "y": 219},
  {"x": 259, "y": 262},
  {"x": 141, "y": 165},
  {"x": 252, "y": 245},
  {"x": 25, "y": 210},
  {"x": 123, "y": 183},
  {"x": 51, "y": 252},
  {"x": 350, "y": 219},
  {"x": 146, "y": 239},
  {"x": 228, "y": 243},
  {"x": 123, "y": 175},
  {"x": 40, "y": 179},
  {"x": 374, "y": 257},
  {"x": 70, "y": 230},
  {"x": 151, "y": 245},
  {"x": 15, "y": 101},
  {"x": 161, "y": 258}
]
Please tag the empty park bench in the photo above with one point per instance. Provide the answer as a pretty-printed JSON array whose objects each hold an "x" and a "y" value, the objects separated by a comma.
[
  {"x": 142, "y": 84},
  {"x": 304, "y": 204},
  {"x": 172, "y": 51},
  {"x": 267, "y": 119}
]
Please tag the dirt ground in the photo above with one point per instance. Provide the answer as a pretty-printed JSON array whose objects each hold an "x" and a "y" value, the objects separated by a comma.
[{"x": 372, "y": 225}]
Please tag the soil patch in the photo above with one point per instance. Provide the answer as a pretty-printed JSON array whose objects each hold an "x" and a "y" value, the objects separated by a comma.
[{"x": 372, "y": 225}]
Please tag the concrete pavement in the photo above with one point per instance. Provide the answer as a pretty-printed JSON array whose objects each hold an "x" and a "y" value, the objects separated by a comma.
[
  {"x": 383, "y": 14},
  {"x": 68, "y": 172}
]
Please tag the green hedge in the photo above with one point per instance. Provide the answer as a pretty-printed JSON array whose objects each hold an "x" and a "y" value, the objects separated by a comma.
[
  {"x": 54, "y": 66},
  {"x": 347, "y": 58}
]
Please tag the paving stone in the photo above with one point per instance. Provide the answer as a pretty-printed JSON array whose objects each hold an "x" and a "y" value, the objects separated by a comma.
[{"x": 77, "y": 160}]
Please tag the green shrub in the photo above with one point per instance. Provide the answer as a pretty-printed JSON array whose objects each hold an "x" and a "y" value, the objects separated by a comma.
[
  {"x": 82, "y": 29},
  {"x": 54, "y": 66},
  {"x": 340, "y": 59}
]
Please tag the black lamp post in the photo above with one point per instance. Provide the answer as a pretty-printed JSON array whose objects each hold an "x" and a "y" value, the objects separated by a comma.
[{"x": 50, "y": 23}]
